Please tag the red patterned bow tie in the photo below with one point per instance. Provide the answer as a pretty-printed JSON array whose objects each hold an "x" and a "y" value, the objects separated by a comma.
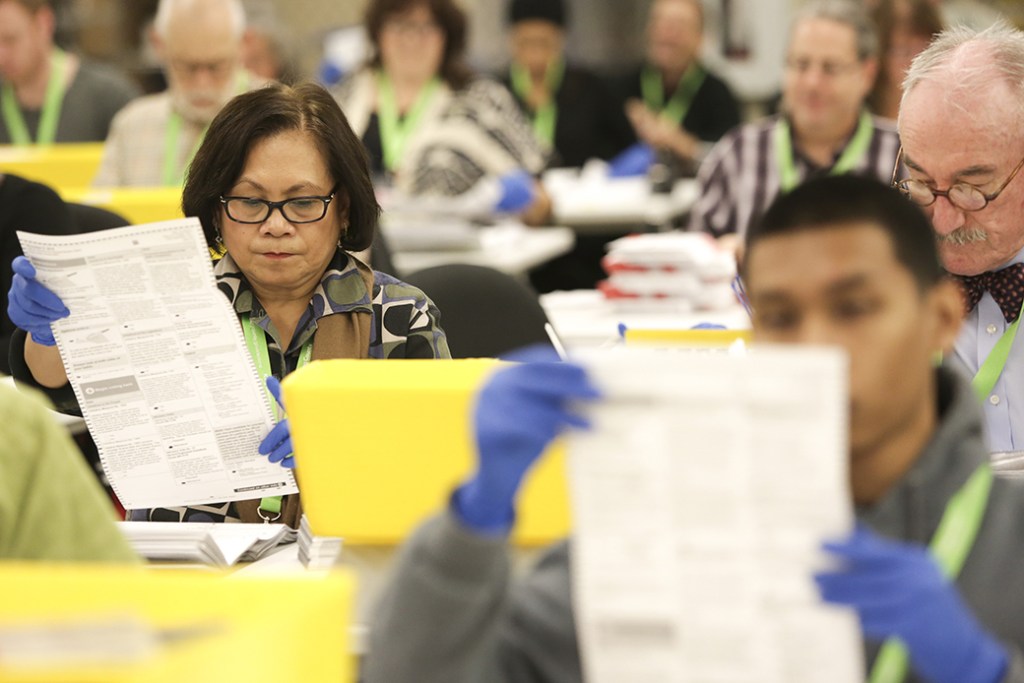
[{"x": 1006, "y": 286}]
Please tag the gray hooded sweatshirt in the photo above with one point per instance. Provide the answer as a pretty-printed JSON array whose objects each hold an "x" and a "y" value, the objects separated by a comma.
[{"x": 452, "y": 614}]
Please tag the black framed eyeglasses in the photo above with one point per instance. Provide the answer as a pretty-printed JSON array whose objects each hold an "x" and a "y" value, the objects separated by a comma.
[
  {"x": 963, "y": 196},
  {"x": 295, "y": 210}
]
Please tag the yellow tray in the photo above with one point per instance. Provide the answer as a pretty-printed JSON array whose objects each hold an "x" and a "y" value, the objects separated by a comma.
[
  {"x": 138, "y": 204},
  {"x": 381, "y": 445},
  {"x": 61, "y": 165},
  {"x": 685, "y": 337},
  {"x": 253, "y": 629}
]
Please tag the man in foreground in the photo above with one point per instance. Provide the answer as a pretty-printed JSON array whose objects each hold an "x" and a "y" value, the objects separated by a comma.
[{"x": 842, "y": 261}]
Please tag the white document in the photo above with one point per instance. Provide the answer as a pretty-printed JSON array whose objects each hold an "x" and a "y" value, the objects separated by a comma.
[
  {"x": 159, "y": 365},
  {"x": 700, "y": 499}
]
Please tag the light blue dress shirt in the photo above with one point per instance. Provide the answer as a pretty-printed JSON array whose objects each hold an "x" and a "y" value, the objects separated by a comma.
[{"x": 1004, "y": 407}]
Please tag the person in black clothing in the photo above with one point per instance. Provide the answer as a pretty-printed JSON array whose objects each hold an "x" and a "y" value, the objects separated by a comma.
[
  {"x": 30, "y": 207},
  {"x": 573, "y": 112},
  {"x": 674, "y": 102}
]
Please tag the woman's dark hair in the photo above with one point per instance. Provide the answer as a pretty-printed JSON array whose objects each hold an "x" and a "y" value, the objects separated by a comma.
[
  {"x": 448, "y": 16},
  {"x": 259, "y": 114}
]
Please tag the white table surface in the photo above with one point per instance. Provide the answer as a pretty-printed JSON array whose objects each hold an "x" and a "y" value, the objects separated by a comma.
[
  {"x": 585, "y": 319},
  {"x": 510, "y": 248},
  {"x": 590, "y": 202}
]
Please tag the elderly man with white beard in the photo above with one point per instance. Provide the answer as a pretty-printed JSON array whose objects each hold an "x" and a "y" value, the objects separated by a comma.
[{"x": 153, "y": 139}]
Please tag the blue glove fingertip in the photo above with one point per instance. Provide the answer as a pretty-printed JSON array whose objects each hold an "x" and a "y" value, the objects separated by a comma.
[
  {"x": 517, "y": 191},
  {"x": 633, "y": 161},
  {"x": 274, "y": 387},
  {"x": 22, "y": 266}
]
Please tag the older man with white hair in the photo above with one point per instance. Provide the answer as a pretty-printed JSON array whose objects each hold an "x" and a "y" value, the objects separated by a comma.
[
  {"x": 153, "y": 139},
  {"x": 962, "y": 127}
]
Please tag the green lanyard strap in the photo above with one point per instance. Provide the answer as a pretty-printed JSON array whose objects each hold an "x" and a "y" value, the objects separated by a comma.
[
  {"x": 52, "y": 104},
  {"x": 394, "y": 133},
  {"x": 257, "y": 344},
  {"x": 950, "y": 547},
  {"x": 988, "y": 374},
  {"x": 173, "y": 175},
  {"x": 682, "y": 97},
  {"x": 545, "y": 117},
  {"x": 851, "y": 156}
]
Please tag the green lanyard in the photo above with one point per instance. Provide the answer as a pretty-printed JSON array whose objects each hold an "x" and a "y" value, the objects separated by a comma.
[
  {"x": 173, "y": 176},
  {"x": 545, "y": 117},
  {"x": 52, "y": 104},
  {"x": 394, "y": 134},
  {"x": 988, "y": 374},
  {"x": 257, "y": 344},
  {"x": 950, "y": 547},
  {"x": 851, "y": 156},
  {"x": 687, "y": 87}
]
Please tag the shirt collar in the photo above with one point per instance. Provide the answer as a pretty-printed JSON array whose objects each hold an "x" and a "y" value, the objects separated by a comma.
[
  {"x": 1018, "y": 258},
  {"x": 838, "y": 152}
]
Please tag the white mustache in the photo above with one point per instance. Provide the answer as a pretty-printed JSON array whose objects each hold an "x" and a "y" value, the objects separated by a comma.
[{"x": 962, "y": 236}]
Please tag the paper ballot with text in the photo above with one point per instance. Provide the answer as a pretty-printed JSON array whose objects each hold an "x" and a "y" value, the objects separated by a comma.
[
  {"x": 159, "y": 365},
  {"x": 700, "y": 500}
]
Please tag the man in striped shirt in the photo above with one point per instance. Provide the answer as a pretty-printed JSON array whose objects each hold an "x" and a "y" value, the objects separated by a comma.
[{"x": 830, "y": 68}]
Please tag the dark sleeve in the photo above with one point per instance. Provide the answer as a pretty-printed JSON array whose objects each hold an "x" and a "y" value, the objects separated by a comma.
[
  {"x": 592, "y": 119},
  {"x": 617, "y": 131},
  {"x": 29, "y": 207},
  {"x": 714, "y": 111},
  {"x": 439, "y": 618},
  {"x": 450, "y": 616},
  {"x": 115, "y": 93}
]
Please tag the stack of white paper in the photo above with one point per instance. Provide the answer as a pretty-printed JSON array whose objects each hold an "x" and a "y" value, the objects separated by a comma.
[
  {"x": 317, "y": 552},
  {"x": 214, "y": 544},
  {"x": 700, "y": 500},
  {"x": 668, "y": 271}
]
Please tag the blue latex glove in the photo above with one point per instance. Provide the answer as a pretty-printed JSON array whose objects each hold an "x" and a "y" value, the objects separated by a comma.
[
  {"x": 632, "y": 161},
  {"x": 898, "y": 590},
  {"x": 30, "y": 305},
  {"x": 519, "y": 411},
  {"x": 277, "y": 445},
  {"x": 517, "y": 192},
  {"x": 708, "y": 326}
]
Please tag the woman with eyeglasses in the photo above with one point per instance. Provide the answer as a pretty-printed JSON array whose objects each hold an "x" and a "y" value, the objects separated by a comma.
[
  {"x": 282, "y": 189},
  {"x": 428, "y": 124}
]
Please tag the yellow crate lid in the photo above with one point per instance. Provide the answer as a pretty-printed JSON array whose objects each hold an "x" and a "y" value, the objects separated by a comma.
[
  {"x": 685, "y": 337},
  {"x": 138, "y": 204},
  {"x": 215, "y": 627},
  {"x": 60, "y": 165},
  {"x": 381, "y": 445}
]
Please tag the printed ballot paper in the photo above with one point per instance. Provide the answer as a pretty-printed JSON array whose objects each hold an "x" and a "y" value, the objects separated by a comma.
[
  {"x": 159, "y": 365},
  {"x": 700, "y": 500}
]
